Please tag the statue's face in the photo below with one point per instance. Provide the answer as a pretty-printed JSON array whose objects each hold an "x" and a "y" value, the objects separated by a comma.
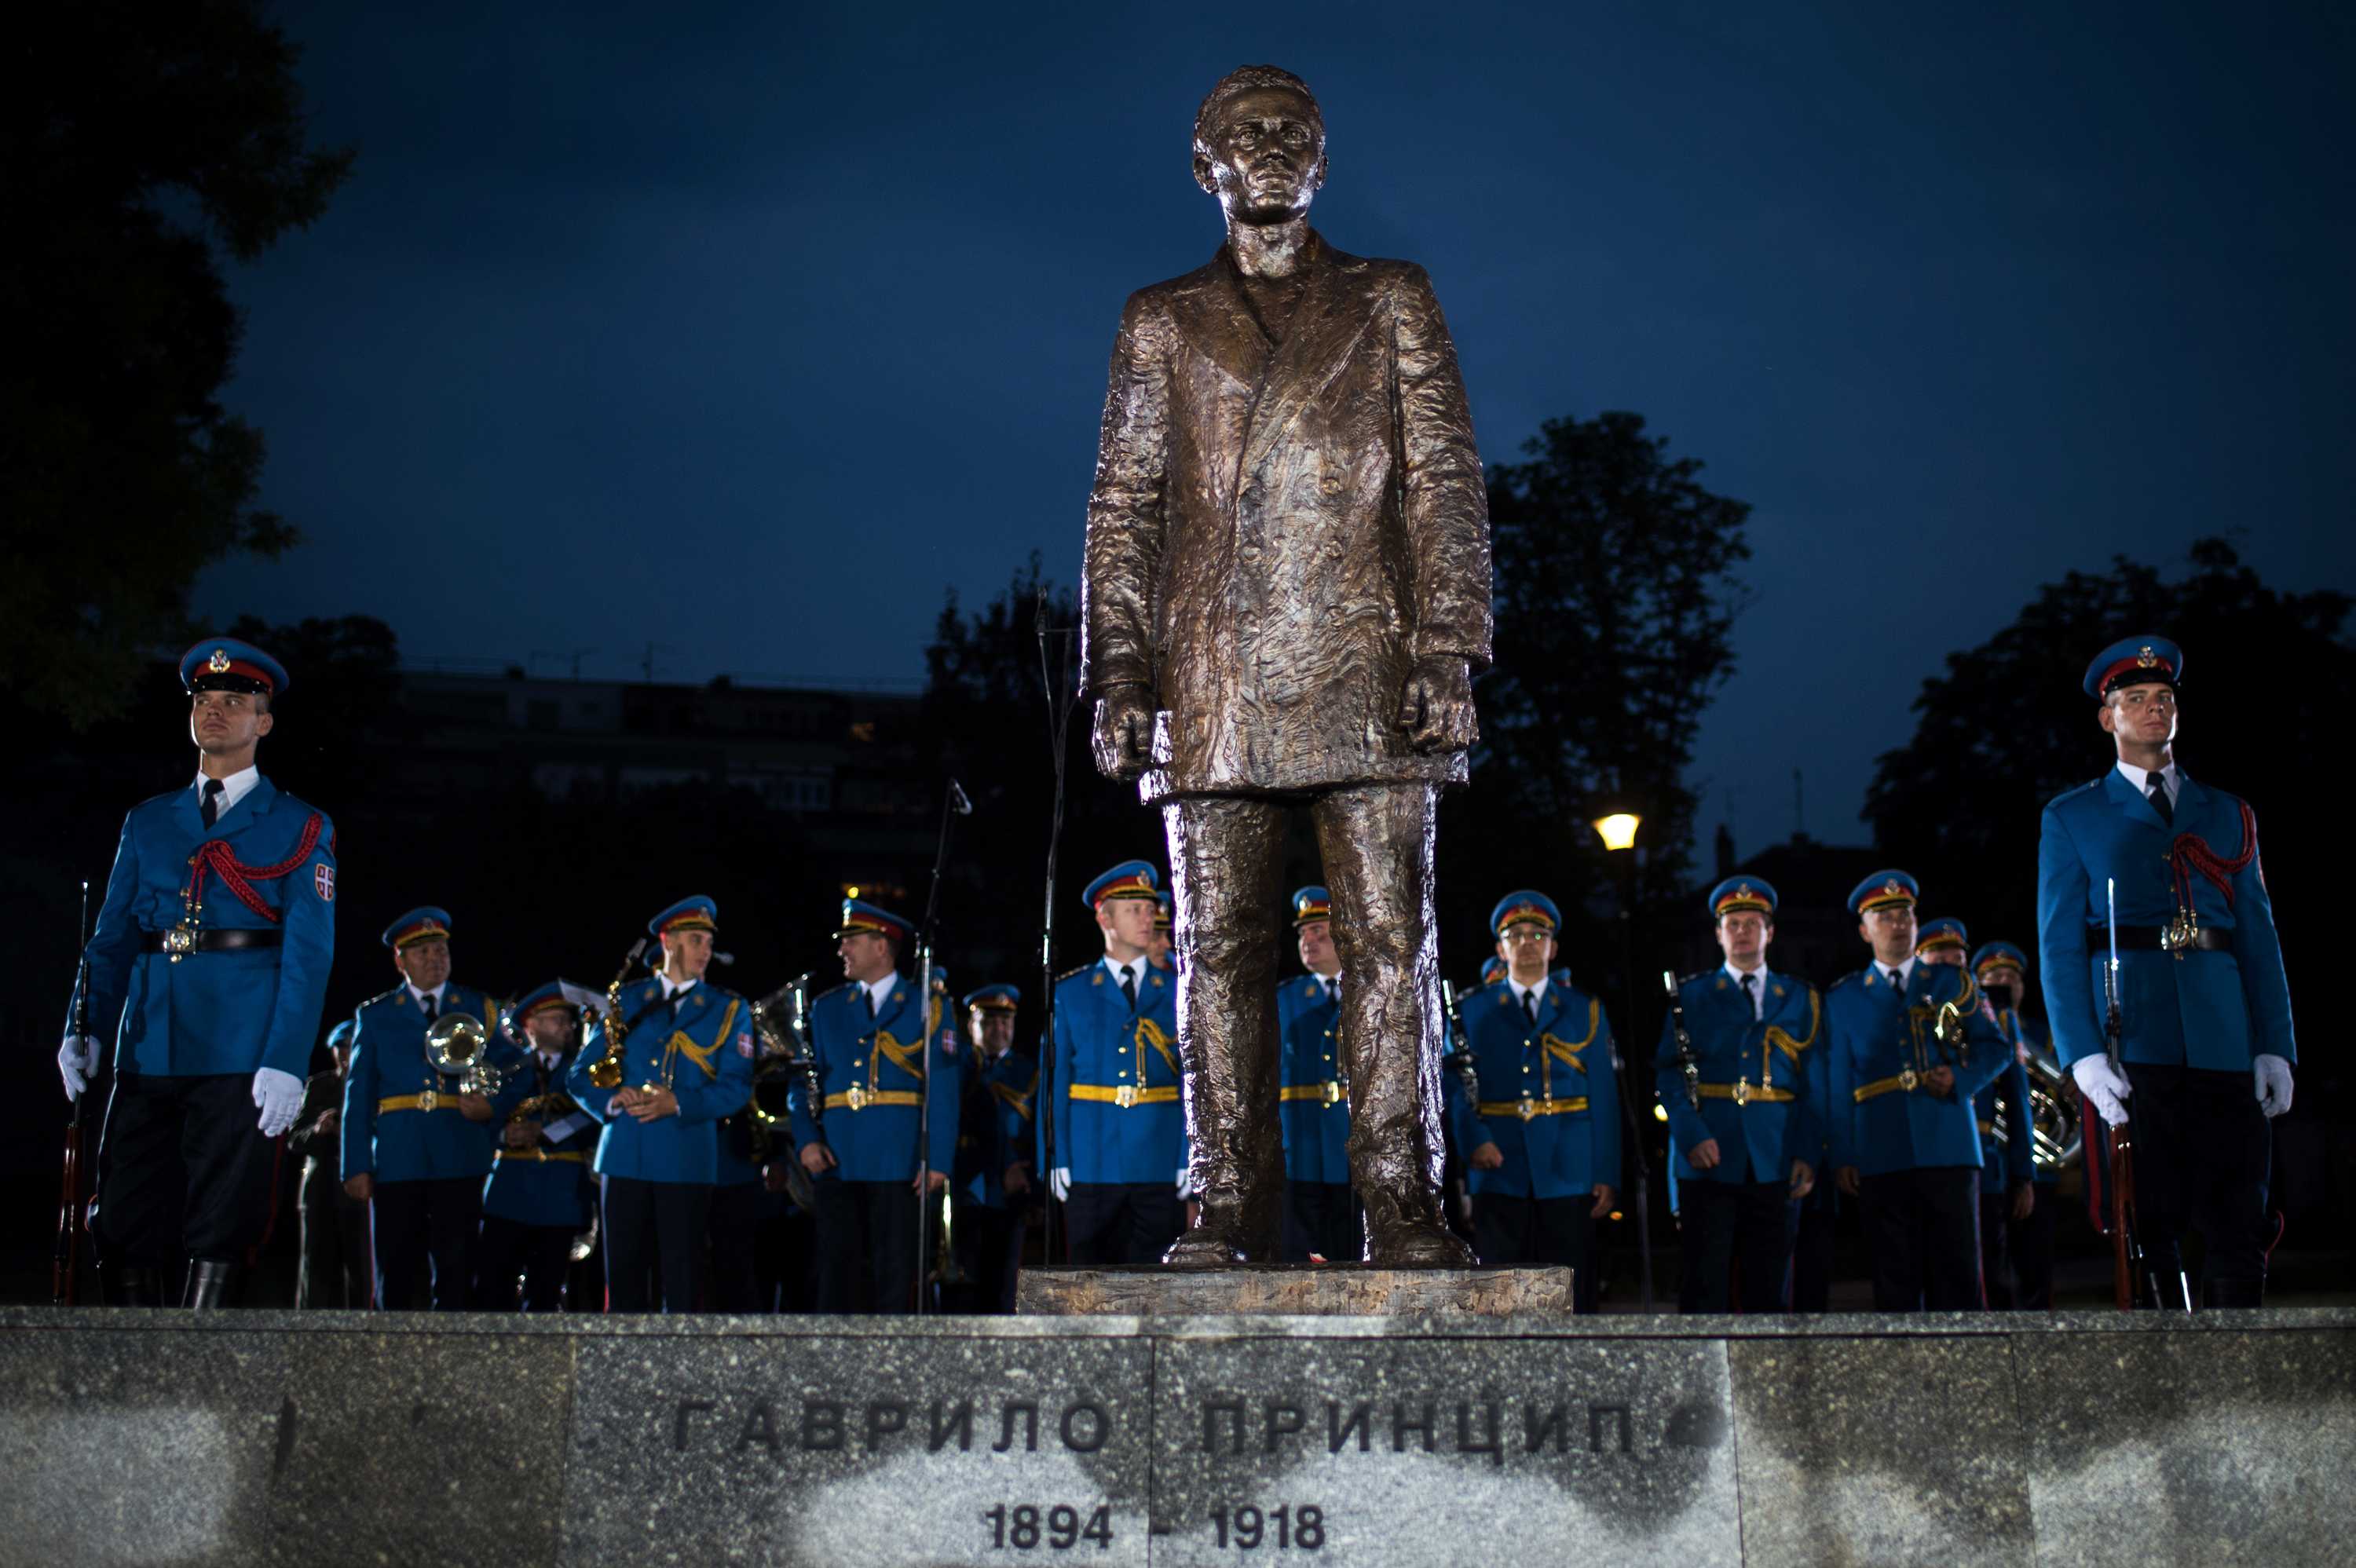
[{"x": 1267, "y": 156}]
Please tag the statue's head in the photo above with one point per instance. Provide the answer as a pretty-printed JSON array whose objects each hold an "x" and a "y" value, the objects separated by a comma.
[{"x": 1259, "y": 144}]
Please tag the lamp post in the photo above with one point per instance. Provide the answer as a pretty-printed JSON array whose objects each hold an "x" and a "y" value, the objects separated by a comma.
[{"x": 1618, "y": 831}]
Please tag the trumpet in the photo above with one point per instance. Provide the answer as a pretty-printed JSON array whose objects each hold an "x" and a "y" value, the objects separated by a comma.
[
  {"x": 458, "y": 1043},
  {"x": 2055, "y": 1138},
  {"x": 782, "y": 1019},
  {"x": 605, "y": 1072}
]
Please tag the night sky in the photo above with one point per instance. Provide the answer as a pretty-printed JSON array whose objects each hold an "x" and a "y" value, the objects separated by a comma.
[{"x": 746, "y": 331}]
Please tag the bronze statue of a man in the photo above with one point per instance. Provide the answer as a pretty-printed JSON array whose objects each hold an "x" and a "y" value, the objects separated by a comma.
[{"x": 1285, "y": 587}]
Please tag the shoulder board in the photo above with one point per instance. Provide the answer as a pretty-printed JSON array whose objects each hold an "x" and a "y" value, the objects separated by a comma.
[
  {"x": 1075, "y": 973},
  {"x": 723, "y": 994},
  {"x": 833, "y": 991},
  {"x": 1844, "y": 980},
  {"x": 382, "y": 996},
  {"x": 2074, "y": 791},
  {"x": 1696, "y": 978}
]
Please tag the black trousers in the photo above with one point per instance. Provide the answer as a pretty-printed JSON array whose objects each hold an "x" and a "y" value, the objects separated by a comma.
[
  {"x": 1122, "y": 1222},
  {"x": 1996, "y": 1266},
  {"x": 1322, "y": 1217},
  {"x": 426, "y": 1226},
  {"x": 183, "y": 1170},
  {"x": 866, "y": 1246},
  {"x": 990, "y": 1253},
  {"x": 737, "y": 1211},
  {"x": 2029, "y": 1243},
  {"x": 1924, "y": 1228},
  {"x": 1735, "y": 1231},
  {"x": 540, "y": 1255},
  {"x": 336, "y": 1270},
  {"x": 1512, "y": 1231},
  {"x": 2201, "y": 1158},
  {"x": 1812, "y": 1255},
  {"x": 650, "y": 1228}
]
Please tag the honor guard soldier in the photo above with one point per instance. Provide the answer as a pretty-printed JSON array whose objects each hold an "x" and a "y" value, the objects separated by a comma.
[
  {"x": 1120, "y": 1130},
  {"x": 540, "y": 1193},
  {"x": 1157, "y": 952},
  {"x": 1320, "y": 1218},
  {"x": 1911, "y": 1044},
  {"x": 996, "y": 1132},
  {"x": 1493, "y": 969},
  {"x": 2204, "y": 1009},
  {"x": 871, "y": 1162},
  {"x": 336, "y": 1270},
  {"x": 2001, "y": 1110},
  {"x": 2002, "y": 969},
  {"x": 208, "y": 969},
  {"x": 684, "y": 1049},
  {"x": 418, "y": 1133},
  {"x": 1744, "y": 1130},
  {"x": 1544, "y": 1136}
]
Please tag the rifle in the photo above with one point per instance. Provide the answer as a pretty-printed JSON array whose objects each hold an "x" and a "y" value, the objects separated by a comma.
[
  {"x": 69, "y": 1245},
  {"x": 1688, "y": 1064},
  {"x": 2125, "y": 1256}
]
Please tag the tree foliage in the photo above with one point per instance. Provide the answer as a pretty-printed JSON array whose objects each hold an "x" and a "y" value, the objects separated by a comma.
[{"x": 141, "y": 138}]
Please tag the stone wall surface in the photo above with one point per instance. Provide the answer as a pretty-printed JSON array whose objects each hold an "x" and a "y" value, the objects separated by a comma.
[{"x": 156, "y": 1437}]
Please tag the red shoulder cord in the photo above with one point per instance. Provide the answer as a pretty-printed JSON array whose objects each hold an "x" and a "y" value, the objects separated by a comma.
[
  {"x": 214, "y": 856},
  {"x": 2191, "y": 853}
]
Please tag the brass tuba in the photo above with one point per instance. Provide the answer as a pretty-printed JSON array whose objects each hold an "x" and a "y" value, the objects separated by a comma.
[
  {"x": 458, "y": 1043},
  {"x": 605, "y": 1072},
  {"x": 2055, "y": 1138}
]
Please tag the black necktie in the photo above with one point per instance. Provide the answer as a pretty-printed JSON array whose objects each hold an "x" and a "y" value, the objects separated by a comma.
[
  {"x": 427, "y": 1002},
  {"x": 1898, "y": 981},
  {"x": 1751, "y": 989},
  {"x": 1332, "y": 993},
  {"x": 1530, "y": 1006},
  {"x": 210, "y": 810},
  {"x": 2157, "y": 792},
  {"x": 1128, "y": 987},
  {"x": 869, "y": 997}
]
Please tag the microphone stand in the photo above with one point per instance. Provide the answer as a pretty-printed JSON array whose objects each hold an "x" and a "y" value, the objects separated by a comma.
[
  {"x": 953, "y": 806},
  {"x": 1062, "y": 701}
]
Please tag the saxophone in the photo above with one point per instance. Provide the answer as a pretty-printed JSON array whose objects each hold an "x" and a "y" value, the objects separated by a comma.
[{"x": 605, "y": 1072}]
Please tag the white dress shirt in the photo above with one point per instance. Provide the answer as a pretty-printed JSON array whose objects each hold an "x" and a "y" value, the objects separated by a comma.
[
  {"x": 1759, "y": 996},
  {"x": 880, "y": 991},
  {"x": 2169, "y": 780},
  {"x": 1135, "y": 969},
  {"x": 1529, "y": 998},
  {"x": 237, "y": 786},
  {"x": 1905, "y": 972}
]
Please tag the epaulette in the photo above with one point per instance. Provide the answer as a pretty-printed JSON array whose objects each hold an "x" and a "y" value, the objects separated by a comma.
[
  {"x": 1844, "y": 980},
  {"x": 1696, "y": 978},
  {"x": 1075, "y": 973},
  {"x": 382, "y": 996},
  {"x": 2073, "y": 790},
  {"x": 831, "y": 990}
]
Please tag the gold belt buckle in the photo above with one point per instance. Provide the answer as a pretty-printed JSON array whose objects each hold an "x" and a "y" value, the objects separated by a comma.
[
  {"x": 1333, "y": 1093},
  {"x": 1742, "y": 1090},
  {"x": 427, "y": 1100},
  {"x": 1125, "y": 1096},
  {"x": 1528, "y": 1109},
  {"x": 180, "y": 941},
  {"x": 1907, "y": 1081},
  {"x": 2177, "y": 936},
  {"x": 855, "y": 1097}
]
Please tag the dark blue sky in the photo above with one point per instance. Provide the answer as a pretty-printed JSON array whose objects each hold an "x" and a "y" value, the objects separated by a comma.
[{"x": 745, "y": 330}]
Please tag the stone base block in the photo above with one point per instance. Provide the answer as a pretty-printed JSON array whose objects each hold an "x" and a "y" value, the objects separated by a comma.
[{"x": 1304, "y": 1290}]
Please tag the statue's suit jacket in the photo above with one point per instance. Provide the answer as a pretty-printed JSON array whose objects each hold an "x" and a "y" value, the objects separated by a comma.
[{"x": 1277, "y": 532}]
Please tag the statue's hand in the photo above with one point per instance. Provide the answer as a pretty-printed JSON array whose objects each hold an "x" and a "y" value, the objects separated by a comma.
[
  {"x": 1436, "y": 711},
  {"x": 1124, "y": 731}
]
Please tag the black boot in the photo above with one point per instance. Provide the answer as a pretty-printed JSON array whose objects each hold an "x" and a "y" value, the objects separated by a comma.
[
  {"x": 122, "y": 1285},
  {"x": 208, "y": 1282},
  {"x": 2232, "y": 1293}
]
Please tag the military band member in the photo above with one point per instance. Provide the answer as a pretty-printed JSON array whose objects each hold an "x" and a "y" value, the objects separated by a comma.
[
  {"x": 540, "y": 1193},
  {"x": 995, "y": 1136},
  {"x": 741, "y": 1200},
  {"x": 687, "y": 1061},
  {"x": 208, "y": 970},
  {"x": 1745, "y": 1155},
  {"x": 1121, "y": 1131},
  {"x": 1904, "y": 1141},
  {"x": 334, "y": 1271},
  {"x": 871, "y": 1164},
  {"x": 2001, "y": 1110},
  {"x": 1321, "y": 1217},
  {"x": 2204, "y": 1009},
  {"x": 2001, "y": 969},
  {"x": 1493, "y": 969},
  {"x": 1544, "y": 1133},
  {"x": 416, "y": 1144},
  {"x": 1158, "y": 951}
]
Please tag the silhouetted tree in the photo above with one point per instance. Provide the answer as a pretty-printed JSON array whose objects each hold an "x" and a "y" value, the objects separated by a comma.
[{"x": 139, "y": 138}]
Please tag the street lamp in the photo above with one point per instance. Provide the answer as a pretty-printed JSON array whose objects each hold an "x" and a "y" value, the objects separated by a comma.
[{"x": 1618, "y": 831}]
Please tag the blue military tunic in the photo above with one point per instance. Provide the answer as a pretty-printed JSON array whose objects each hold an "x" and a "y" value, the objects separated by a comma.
[
  {"x": 1315, "y": 1102},
  {"x": 1118, "y": 1115},
  {"x": 221, "y": 1012},
  {"x": 996, "y": 1128},
  {"x": 1883, "y": 1118},
  {"x": 2210, "y": 1009},
  {"x": 402, "y": 1119},
  {"x": 873, "y": 1082},
  {"x": 699, "y": 1045},
  {"x": 550, "y": 1183},
  {"x": 1755, "y": 1078},
  {"x": 2004, "y": 1165},
  {"x": 1548, "y": 1098}
]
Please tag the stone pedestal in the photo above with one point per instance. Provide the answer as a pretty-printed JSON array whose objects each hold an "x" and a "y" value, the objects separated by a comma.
[{"x": 1308, "y": 1290}]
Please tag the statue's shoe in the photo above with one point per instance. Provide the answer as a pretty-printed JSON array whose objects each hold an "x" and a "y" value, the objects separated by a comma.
[
  {"x": 1207, "y": 1246},
  {"x": 1417, "y": 1243}
]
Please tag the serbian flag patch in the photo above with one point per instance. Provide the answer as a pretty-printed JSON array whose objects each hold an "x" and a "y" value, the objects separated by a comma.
[
  {"x": 744, "y": 1044},
  {"x": 323, "y": 880}
]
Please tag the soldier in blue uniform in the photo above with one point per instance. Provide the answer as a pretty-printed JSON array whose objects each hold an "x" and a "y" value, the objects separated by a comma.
[
  {"x": 1543, "y": 1138},
  {"x": 2001, "y": 1110},
  {"x": 1911, "y": 1044},
  {"x": 687, "y": 1061},
  {"x": 208, "y": 969},
  {"x": 417, "y": 1146},
  {"x": 1158, "y": 951},
  {"x": 882, "y": 1144},
  {"x": 2204, "y": 1009},
  {"x": 1746, "y": 1154},
  {"x": 2001, "y": 969},
  {"x": 1121, "y": 1131},
  {"x": 994, "y": 1184},
  {"x": 540, "y": 1193},
  {"x": 1321, "y": 1217}
]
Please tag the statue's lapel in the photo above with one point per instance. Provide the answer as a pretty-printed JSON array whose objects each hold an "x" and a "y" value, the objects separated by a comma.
[
  {"x": 1218, "y": 324},
  {"x": 1326, "y": 324}
]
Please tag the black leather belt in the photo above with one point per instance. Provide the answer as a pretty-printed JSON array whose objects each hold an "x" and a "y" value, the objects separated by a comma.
[
  {"x": 226, "y": 941},
  {"x": 2146, "y": 939}
]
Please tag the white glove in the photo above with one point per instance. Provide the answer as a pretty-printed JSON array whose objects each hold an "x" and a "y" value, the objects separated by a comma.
[
  {"x": 78, "y": 1063},
  {"x": 1185, "y": 1182},
  {"x": 2273, "y": 1075},
  {"x": 564, "y": 1127},
  {"x": 1059, "y": 1182},
  {"x": 280, "y": 1095},
  {"x": 2105, "y": 1085}
]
